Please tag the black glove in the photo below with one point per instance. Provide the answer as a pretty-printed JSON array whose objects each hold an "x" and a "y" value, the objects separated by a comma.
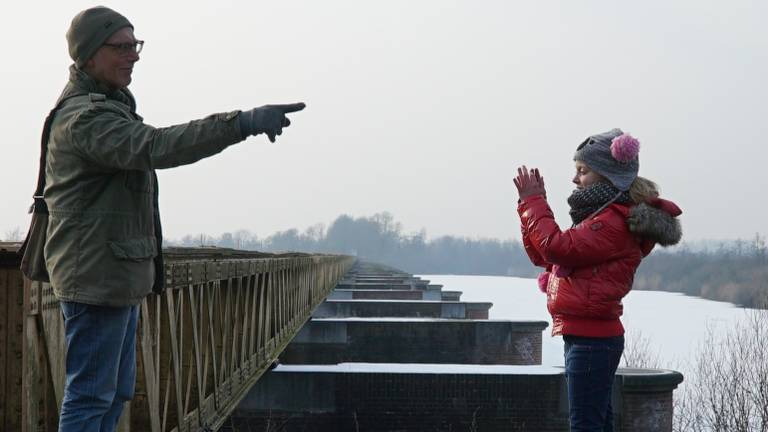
[{"x": 268, "y": 119}]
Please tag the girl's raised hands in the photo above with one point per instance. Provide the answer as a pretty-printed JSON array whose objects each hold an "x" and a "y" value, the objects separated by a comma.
[{"x": 529, "y": 182}]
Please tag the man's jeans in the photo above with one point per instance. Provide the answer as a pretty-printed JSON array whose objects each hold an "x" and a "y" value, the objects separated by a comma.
[
  {"x": 101, "y": 365},
  {"x": 590, "y": 366}
]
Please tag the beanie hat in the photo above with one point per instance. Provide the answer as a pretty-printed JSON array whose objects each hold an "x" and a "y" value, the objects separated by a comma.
[
  {"x": 613, "y": 155},
  {"x": 90, "y": 29}
]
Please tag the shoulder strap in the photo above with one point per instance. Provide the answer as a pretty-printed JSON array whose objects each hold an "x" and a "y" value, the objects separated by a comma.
[{"x": 39, "y": 206}]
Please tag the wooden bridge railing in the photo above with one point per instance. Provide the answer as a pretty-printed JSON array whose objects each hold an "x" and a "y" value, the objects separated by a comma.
[{"x": 202, "y": 344}]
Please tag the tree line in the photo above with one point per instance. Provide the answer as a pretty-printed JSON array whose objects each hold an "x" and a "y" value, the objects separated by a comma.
[
  {"x": 379, "y": 238},
  {"x": 733, "y": 271}
]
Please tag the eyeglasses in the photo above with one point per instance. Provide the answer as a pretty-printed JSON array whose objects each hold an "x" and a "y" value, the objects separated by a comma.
[{"x": 126, "y": 48}]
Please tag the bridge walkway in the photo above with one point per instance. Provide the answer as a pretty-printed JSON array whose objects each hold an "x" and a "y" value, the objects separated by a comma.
[{"x": 224, "y": 318}]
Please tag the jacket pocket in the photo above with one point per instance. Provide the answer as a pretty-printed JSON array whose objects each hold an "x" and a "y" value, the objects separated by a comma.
[{"x": 139, "y": 249}]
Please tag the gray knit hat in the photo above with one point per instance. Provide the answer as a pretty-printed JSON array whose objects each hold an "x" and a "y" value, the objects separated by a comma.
[
  {"x": 613, "y": 155},
  {"x": 90, "y": 29}
]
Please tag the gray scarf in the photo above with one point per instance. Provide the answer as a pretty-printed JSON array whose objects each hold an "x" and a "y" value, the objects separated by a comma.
[{"x": 593, "y": 198}]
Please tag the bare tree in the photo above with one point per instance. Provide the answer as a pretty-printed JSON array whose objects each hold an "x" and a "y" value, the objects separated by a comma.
[
  {"x": 14, "y": 235},
  {"x": 728, "y": 389},
  {"x": 638, "y": 352}
]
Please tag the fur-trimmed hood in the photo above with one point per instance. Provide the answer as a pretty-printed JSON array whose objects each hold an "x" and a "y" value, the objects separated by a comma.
[{"x": 656, "y": 221}]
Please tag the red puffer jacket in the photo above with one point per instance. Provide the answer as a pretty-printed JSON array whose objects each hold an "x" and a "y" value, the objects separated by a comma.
[{"x": 592, "y": 265}]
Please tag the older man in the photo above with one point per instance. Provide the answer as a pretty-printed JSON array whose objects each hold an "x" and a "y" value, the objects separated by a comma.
[{"x": 103, "y": 250}]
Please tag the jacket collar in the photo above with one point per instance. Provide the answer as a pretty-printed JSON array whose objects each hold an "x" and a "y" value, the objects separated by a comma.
[
  {"x": 82, "y": 83},
  {"x": 656, "y": 221}
]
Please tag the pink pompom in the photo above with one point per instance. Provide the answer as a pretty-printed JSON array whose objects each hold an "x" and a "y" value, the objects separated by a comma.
[
  {"x": 543, "y": 280},
  {"x": 625, "y": 148}
]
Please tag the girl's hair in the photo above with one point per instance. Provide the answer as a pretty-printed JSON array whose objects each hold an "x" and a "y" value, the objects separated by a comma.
[{"x": 643, "y": 190}]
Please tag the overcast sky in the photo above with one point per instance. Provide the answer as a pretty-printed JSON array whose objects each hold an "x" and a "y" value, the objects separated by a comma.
[{"x": 420, "y": 108}]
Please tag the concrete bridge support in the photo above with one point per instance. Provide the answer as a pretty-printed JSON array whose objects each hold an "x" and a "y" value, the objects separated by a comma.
[
  {"x": 380, "y": 355},
  {"x": 409, "y": 397},
  {"x": 415, "y": 340}
]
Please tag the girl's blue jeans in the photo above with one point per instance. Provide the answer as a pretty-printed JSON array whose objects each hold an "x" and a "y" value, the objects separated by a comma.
[
  {"x": 590, "y": 366},
  {"x": 100, "y": 365}
]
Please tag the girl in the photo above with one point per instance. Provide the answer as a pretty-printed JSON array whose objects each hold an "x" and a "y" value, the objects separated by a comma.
[{"x": 617, "y": 217}]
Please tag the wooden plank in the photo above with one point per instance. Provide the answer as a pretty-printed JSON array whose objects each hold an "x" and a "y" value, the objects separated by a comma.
[
  {"x": 173, "y": 316},
  {"x": 212, "y": 337},
  {"x": 194, "y": 292},
  {"x": 254, "y": 333},
  {"x": 283, "y": 300},
  {"x": 278, "y": 290},
  {"x": 297, "y": 292},
  {"x": 145, "y": 413},
  {"x": 236, "y": 317},
  {"x": 296, "y": 289},
  {"x": 303, "y": 293},
  {"x": 268, "y": 321},
  {"x": 247, "y": 312},
  {"x": 14, "y": 287},
  {"x": 4, "y": 350},
  {"x": 307, "y": 292},
  {"x": 238, "y": 307},
  {"x": 39, "y": 410},
  {"x": 30, "y": 410},
  {"x": 205, "y": 343},
  {"x": 180, "y": 309},
  {"x": 168, "y": 411},
  {"x": 247, "y": 328},
  {"x": 259, "y": 318},
  {"x": 186, "y": 349},
  {"x": 225, "y": 295},
  {"x": 288, "y": 299}
]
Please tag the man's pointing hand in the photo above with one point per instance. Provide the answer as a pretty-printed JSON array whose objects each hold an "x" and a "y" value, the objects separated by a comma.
[{"x": 268, "y": 119}]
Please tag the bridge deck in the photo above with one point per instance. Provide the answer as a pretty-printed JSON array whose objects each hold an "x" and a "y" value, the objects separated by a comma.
[{"x": 202, "y": 344}]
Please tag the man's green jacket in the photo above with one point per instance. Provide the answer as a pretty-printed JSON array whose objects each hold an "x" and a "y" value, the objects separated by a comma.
[{"x": 104, "y": 244}]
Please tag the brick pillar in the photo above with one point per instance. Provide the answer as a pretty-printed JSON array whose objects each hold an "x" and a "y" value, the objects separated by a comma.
[{"x": 645, "y": 398}]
